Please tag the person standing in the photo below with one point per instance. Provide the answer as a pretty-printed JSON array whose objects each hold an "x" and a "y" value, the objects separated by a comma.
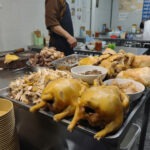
[
  {"x": 142, "y": 26},
  {"x": 146, "y": 32},
  {"x": 59, "y": 24}
]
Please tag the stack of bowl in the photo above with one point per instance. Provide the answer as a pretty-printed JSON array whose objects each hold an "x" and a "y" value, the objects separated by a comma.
[{"x": 8, "y": 135}]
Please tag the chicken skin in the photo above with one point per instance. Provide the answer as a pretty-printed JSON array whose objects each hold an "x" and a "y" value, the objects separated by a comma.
[
  {"x": 91, "y": 60},
  {"x": 138, "y": 74},
  {"x": 62, "y": 96},
  {"x": 117, "y": 62},
  {"x": 141, "y": 61},
  {"x": 102, "y": 106}
]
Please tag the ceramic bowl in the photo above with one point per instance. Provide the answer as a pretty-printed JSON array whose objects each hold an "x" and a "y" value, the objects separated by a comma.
[
  {"x": 77, "y": 72},
  {"x": 129, "y": 83}
]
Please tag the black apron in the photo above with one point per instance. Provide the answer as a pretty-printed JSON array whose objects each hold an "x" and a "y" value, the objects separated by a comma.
[{"x": 60, "y": 42}]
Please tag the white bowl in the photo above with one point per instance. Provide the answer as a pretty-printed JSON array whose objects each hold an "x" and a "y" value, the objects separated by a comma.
[
  {"x": 138, "y": 35},
  {"x": 78, "y": 70},
  {"x": 133, "y": 96},
  {"x": 91, "y": 46}
]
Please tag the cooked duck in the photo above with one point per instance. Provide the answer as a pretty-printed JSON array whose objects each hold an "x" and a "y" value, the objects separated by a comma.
[
  {"x": 62, "y": 96},
  {"x": 101, "y": 106}
]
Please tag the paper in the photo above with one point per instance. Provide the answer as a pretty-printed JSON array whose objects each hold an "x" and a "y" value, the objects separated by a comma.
[{"x": 123, "y": 15}]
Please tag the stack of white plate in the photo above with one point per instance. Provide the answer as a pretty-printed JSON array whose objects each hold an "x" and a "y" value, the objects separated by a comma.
[{"x": 8, "y": 135}]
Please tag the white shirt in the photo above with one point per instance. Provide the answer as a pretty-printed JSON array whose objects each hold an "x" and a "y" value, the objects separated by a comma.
[{"x": 146, "y": 33}]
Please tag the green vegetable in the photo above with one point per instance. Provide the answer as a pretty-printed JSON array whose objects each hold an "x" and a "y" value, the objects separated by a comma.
[{"x": 112, "y": 45}]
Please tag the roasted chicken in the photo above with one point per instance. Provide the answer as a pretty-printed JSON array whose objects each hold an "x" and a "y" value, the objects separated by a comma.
[
  {"x": 91, "y": 60},
  {"x": 62, "y": 97},
  {"x": 102, "y": 106},
  {"x": 117, "y": 62},
  {"x": 138, "y": 74}
]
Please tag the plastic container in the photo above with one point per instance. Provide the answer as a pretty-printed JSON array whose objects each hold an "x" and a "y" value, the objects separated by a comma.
[
  {"x": 82, "y": 31},
  {"x": 134, "y": 28},
  {"x": 131, "y": 138}
]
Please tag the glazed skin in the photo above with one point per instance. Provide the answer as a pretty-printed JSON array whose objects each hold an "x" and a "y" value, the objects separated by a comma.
[
  {"x": 91, "y": 60},
  {"x": 102, "y": 106},
  {"x": 62, "y": 96}
]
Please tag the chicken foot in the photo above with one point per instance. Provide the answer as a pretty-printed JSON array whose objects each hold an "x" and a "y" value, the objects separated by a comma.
[
  {"x": 67, "y": 112},
  {"x": 112, "y": 126}
]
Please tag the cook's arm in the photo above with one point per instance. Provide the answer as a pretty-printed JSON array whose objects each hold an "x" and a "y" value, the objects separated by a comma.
[{"x": 62, "y": 32}]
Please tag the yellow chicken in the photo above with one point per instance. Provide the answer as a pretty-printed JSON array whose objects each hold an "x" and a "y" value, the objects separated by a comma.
[
  {"x": 141, "y": 61},
  {"x": 138, "y": 74},
  {"x": 91, "y": 60},
  {"x": 102, "y": 106},
  {"x": 10, "y": 57},
  {"x": 62, "y": 96}
]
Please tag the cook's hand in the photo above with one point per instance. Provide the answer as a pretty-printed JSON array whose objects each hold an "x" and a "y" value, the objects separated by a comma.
[{"x": 72, "y": 41}]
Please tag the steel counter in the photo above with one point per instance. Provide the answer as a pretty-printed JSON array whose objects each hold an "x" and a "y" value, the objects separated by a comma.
[{"x": 38, "y": 131}]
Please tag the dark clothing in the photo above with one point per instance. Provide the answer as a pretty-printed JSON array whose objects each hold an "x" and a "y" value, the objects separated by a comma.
[
  {"x": 54, "y": 10},
  {"x": 56, "y": 40},
  {"x": 142, "y": 25}
]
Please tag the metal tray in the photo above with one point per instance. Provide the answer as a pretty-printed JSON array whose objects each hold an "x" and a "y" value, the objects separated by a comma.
[
  {"x": 114, "y": 137},
  {"x": 67, "y": 62},
  {"x": 6, "y": 76},
  {"x": 19, "y": 64}
]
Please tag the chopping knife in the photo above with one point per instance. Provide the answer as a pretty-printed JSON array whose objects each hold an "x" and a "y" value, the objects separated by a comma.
[{"x": 15, "y": 51}]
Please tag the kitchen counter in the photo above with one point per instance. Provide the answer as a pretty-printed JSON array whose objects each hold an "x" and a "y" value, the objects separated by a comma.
[
  {"x": 106, "y": 37},
  {"x": 136, "y": 42},
  {"x": 136, "y": 51},
  {"x": 38, "y": 131},
  {"x": 49, "y": 134}
]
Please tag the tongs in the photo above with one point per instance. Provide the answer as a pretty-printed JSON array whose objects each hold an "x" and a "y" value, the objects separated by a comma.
[{"x": 15, "y": 51}]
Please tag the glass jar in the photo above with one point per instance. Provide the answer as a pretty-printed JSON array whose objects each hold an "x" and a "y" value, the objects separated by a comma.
[{"x": 98, "y": 45}]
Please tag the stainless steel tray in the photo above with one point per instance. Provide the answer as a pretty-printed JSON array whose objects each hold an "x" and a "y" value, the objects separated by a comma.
[
  {"x": 68, "y": 61},
  {"x": 115, "y": 137}
]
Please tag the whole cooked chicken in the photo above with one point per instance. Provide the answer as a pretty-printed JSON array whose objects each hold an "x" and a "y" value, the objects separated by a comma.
[
  {"x": 138, "y": 74},
  {"x": 102, "y": 106},
  {"x": 141, "y": 61},
  {"x": 62, "y": 96}
]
